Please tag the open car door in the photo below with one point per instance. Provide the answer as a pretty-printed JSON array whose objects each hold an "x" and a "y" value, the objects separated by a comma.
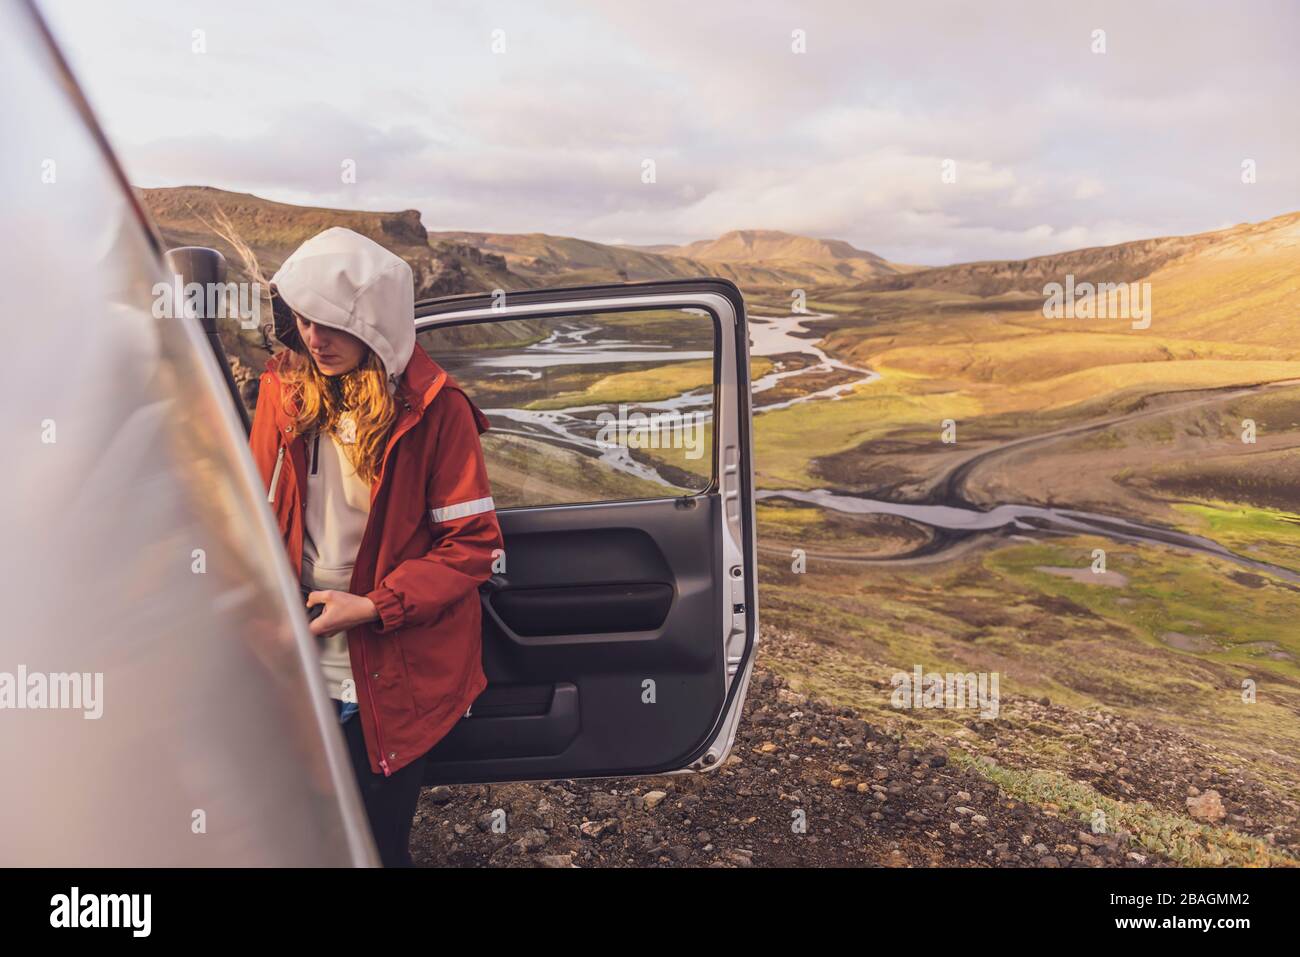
[{"x": 619, "y": 627}]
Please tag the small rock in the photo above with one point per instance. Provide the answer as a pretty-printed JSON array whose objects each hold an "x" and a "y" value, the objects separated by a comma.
[
  {"x": 595, "y": 829},
  {"x": 533, "y": 839},
  {"x": 1207, "y": 807},
  {"x": 604, "y": 804}
]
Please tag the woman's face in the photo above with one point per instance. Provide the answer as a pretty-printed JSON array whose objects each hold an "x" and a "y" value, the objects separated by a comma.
[{"x": 334, "y": 351}]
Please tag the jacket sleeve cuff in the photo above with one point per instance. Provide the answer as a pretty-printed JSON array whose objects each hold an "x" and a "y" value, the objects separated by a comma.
[{"x": 391, "y": 613}]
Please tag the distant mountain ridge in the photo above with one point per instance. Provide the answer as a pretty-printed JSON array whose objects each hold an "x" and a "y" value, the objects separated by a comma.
[
  {"x": 193, "y": 215},
  {"x": 749, "y": 257},
  {"x": 462, "y": 261},
  {"x": 269, "y": 231},
  {"x": 776, "y": 246},
  {"x": 1122, "y": 262}
]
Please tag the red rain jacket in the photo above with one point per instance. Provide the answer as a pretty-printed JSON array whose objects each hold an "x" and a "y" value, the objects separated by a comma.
[{"x": 431, "y": 539}]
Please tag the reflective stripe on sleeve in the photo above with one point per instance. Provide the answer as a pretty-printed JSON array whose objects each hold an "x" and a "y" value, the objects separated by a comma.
[{"x": 461, "y": 509}]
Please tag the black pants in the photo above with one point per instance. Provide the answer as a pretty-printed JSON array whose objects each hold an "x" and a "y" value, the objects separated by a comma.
[{"x": 390, "y": 800}]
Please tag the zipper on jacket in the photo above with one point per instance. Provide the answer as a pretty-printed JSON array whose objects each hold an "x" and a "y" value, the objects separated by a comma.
[
  {"x": 275, "y": 476},
  {"x": 374, "y": 713}
]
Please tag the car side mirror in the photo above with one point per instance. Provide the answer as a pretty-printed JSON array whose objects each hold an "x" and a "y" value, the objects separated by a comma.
[
  {"x": 206, "y": 266},
  {"x": 202, "y": 265}
]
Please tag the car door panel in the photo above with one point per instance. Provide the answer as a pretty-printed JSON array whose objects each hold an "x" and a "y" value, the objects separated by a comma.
[
  {"x": 581, "y": 609},
  {"x": 570, "y": 584}
]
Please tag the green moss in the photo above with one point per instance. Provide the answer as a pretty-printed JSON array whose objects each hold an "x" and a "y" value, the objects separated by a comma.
[
  {"x": 1267, "y": 534},
  {"x": 1169, "y": 591},
  {"x": 1177, "y": 837}
]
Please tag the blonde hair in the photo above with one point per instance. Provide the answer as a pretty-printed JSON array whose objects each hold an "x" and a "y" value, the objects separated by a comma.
[{"x": 315, "y": 401}]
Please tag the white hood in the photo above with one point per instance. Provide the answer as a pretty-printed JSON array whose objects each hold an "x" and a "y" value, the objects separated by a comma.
[{"x": 345, "y": 281}]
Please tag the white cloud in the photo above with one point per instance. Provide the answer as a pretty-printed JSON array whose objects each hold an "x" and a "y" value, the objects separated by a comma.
[{"x": 1054, "y": 145}]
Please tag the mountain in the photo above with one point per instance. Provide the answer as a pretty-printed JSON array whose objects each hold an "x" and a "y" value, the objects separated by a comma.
[
  {"x": 832, "y": 257},
  {"x": 463, "y": 261},
  {"x": 1123, "y": 262},
  {"x": 252, "y": 232},
  {"x": 751, "y": 258},
  {"x": 543, "y": 257},
  {"x": 194, "y": 215},
  {"x": 1237, "y": 283}
]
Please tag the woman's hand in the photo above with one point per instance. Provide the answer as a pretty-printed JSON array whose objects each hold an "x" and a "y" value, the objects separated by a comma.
[{"x": 342, "y": 610}]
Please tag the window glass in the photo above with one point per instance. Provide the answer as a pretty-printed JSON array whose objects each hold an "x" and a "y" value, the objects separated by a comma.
[{"x": 589, "y": 408}]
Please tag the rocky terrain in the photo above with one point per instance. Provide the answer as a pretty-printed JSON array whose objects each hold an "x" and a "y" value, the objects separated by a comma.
[{"x": 868, "y": 796}]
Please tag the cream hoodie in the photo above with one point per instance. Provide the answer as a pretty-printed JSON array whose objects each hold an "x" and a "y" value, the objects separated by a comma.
[
  {"x": 337, "y": 509},
  {"x": 343, "y": 280}
]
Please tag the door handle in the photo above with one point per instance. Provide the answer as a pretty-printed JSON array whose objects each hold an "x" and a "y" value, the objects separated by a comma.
[{"x": 494, "y": 584}]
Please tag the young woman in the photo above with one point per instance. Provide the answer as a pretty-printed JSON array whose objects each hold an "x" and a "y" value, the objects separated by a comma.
[{"x": 374, "y": 470}]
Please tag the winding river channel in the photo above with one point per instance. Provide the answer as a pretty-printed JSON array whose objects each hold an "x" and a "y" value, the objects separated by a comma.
[{"x": 953, "y": 521}]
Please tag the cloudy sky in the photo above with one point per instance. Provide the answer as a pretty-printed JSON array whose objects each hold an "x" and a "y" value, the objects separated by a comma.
[{"x": 540, "y": 117}]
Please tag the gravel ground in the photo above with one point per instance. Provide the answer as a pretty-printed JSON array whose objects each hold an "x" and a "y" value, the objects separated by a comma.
[{"x": 807, "y": 784}]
